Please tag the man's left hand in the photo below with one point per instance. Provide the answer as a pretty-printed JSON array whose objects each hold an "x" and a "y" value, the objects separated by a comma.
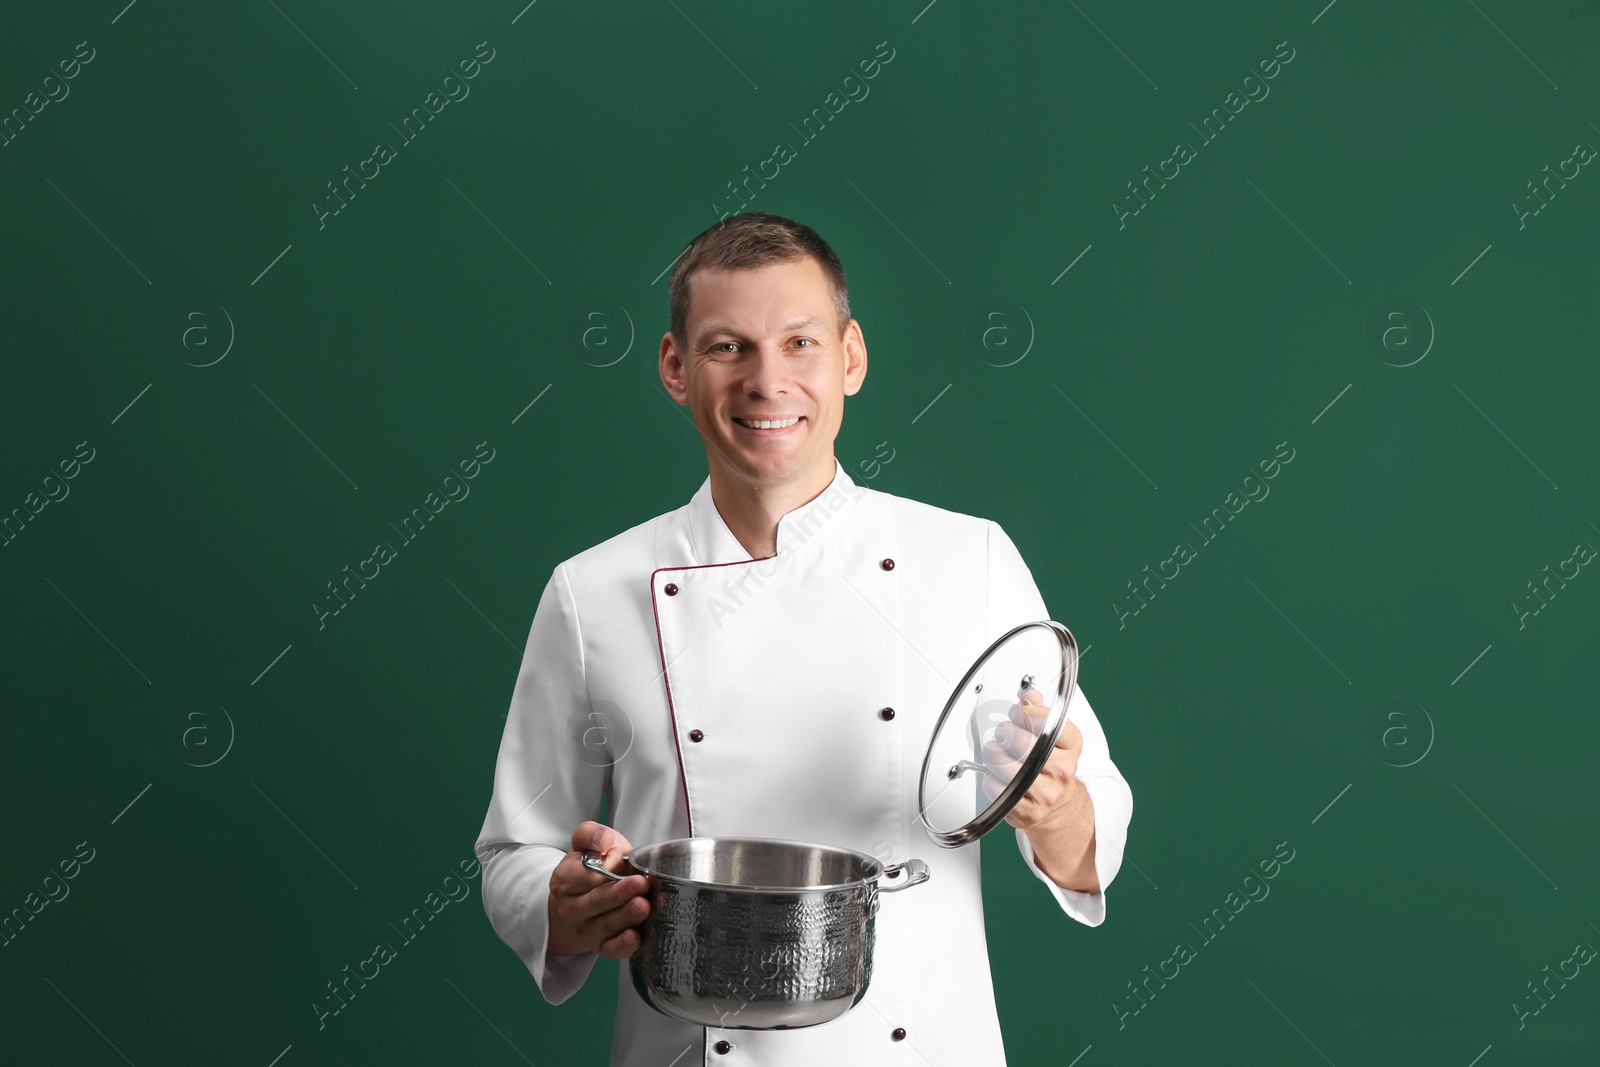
[
  {"x": 1047, "y": 797},
  {"x": 1056, "y": 812}
]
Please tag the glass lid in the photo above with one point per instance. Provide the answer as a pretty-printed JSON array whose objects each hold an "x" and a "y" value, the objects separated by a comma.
[{"x": 996, "y": 732}]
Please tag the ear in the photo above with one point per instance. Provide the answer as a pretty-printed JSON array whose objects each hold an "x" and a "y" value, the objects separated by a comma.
[
  {"x": 855, "y": 358},
  {"x": 672, "y": 370}
]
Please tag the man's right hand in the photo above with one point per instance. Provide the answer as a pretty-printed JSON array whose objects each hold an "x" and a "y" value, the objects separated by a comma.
[{"x": 589, "y": 912}]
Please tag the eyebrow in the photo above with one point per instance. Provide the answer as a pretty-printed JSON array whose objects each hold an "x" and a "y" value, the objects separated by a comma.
[{"x": 720, "y": 327}]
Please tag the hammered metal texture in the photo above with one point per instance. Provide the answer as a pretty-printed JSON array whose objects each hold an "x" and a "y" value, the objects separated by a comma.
[{"x": 763, "y": 960}]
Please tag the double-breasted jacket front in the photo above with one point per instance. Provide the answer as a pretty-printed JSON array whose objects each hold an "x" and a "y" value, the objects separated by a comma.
[{"x": 701, "y": 692}]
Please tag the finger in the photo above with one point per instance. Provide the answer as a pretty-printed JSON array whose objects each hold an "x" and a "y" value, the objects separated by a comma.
[
  {"x": 585, "y": 905},
  {"x": 613, "y": 848},
  {"x": 1032, "y": 704},
  {"x": 609, "y": 924},
  {"x": 604, "y": 841},
  {"x": 1025, "y": 716},
  {"x": 1029, "y": 716},
  {"x": 584, "y": 893},
  {"x": 598, "y": 837},
  {"x": 587, "y": 835},
  {"x": 1000, "y": 759},
  {"x": 1016, "y": 740},
  {"x": 1020, "y": 734},
  {"x": 621, "y": 946},
  {"x": 572, "y": 878},
  {"x": 1070, "y": 736}
]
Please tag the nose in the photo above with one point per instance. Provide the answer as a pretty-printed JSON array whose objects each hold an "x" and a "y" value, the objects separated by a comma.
[{"x": 768, "y": 374}]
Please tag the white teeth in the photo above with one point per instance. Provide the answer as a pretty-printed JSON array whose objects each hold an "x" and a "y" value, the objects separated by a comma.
[{"x": 767, "y": 424}]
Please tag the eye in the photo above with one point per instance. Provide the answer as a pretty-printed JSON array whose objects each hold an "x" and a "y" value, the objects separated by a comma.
[
  {"x": 807, "y": 341},
  {"x": 718, "y": 348}
]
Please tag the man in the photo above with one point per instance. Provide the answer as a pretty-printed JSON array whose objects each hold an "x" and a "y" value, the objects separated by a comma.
[{"x": 769, "y": 661}]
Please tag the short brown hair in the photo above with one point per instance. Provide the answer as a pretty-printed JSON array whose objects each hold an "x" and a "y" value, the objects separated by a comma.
[{"x": 746, "y": 241}]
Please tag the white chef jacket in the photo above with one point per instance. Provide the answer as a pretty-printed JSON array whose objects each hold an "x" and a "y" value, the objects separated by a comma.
[{"x": 709, "y": 694}]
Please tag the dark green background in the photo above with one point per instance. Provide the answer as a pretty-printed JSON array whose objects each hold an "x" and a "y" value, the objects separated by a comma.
[{"x": 1219, "y": 322}]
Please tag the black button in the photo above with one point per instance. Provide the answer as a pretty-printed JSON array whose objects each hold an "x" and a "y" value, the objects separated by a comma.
[
  {"x": 723, "y": 1048},
  {"x": 671, "y": 589},
  {"x": 886, "y": 714},
  {"x": 887, "y": 564},
  {"x": 696, "y": 735},
  {"x": 899, "y": 1033}
]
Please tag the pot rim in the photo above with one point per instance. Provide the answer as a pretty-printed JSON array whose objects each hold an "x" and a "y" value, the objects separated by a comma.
[{"x": 871, "y": 862}]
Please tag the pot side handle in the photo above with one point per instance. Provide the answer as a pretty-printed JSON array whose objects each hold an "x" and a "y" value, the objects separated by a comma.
[
  {"x": 916, "y": 868},
  {"x": 595, "y": 864}
]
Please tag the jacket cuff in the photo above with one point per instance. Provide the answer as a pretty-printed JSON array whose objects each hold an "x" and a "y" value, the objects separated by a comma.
[
  {"x": 1111, "y": 814},
  {"x": 1087, "y": 908},
  {"x": 516, "y": 895}
]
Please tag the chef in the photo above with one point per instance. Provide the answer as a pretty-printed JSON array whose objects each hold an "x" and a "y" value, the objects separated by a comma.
[{"x": 769, "y": 660}]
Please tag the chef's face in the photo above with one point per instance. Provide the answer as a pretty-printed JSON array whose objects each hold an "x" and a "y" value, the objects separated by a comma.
[{"x": 764, "y": 345}]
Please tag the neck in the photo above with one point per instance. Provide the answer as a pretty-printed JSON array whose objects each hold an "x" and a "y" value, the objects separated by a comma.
[{"x": 751, "y": 509}]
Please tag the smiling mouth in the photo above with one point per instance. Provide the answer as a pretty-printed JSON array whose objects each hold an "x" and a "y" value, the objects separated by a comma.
[{"x": 767, "y": 424}]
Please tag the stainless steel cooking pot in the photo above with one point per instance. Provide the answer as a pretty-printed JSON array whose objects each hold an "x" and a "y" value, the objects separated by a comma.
[{"x": 756, "y": 933}]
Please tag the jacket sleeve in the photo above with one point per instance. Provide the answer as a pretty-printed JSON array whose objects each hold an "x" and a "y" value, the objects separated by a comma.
[
  {"x": 1014, "y": 599},
  {"x": 542, "y": 791}
]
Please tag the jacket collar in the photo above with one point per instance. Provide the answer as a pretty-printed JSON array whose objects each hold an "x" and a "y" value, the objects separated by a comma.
[{"x": 711, "y": 542}]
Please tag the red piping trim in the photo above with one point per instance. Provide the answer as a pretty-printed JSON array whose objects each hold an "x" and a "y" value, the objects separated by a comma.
[{"x": 672, "y": 711}]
